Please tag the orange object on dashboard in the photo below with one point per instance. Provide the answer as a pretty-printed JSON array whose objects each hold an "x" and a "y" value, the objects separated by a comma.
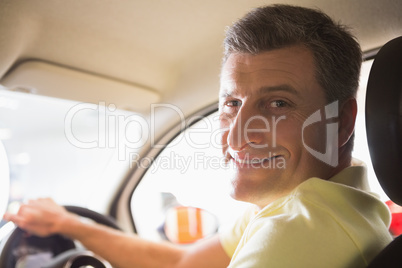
[{"x": 185, "y": 225}]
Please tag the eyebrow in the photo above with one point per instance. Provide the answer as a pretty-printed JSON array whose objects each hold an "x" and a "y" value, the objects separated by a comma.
[
  {"x": 265, "y": 90},
  {"x": 283, "y": 88}
]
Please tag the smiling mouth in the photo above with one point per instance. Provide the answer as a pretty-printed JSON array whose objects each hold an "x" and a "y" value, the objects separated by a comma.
[{"x": 254, "y": 162}]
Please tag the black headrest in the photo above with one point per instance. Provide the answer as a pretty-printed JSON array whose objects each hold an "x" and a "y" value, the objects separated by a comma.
[{"x": 384, "y": 118}]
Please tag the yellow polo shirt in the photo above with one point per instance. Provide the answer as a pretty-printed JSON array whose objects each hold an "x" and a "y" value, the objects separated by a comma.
[{"x": 321, "y": 223}]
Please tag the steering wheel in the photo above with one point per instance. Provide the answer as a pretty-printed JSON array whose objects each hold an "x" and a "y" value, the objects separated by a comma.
[{"x": 55, "y": 251}]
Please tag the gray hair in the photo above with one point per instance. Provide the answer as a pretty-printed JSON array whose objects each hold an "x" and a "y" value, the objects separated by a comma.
[{"x": 337, "y": 54}]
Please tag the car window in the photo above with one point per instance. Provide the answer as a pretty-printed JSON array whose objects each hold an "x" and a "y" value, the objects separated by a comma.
[
  {"x": 361, "y": 149},
  {"x": 191, "y": 172},
  {"x": 66, "y": 150}
]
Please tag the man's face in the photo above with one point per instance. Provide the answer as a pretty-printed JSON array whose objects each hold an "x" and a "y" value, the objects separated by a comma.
[{"x": 264, "y": 101}]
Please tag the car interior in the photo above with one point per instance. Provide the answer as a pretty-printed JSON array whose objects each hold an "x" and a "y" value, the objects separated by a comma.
[{"x": 111, "y": 109}]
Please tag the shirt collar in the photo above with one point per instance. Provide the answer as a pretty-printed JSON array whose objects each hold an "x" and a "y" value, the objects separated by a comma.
[{"x": 354, "y": 176}]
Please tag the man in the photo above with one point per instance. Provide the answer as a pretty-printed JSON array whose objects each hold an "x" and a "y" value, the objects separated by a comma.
[{"x": 288, "y": 85}]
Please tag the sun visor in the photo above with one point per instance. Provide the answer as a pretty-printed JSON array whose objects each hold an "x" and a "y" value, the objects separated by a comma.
[{"x": 60, "y": 82}]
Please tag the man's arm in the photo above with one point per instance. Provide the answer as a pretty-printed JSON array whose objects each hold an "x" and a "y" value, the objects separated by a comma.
[{"x": 43, "y": 217}]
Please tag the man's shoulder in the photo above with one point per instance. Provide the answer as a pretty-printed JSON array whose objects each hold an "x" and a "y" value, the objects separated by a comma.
[
  {"x": 318, "y": 202},
  {"x": 321, "y": 213}
]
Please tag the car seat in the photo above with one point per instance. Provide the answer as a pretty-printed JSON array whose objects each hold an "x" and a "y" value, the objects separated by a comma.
[{"x": 384, "y": 134}]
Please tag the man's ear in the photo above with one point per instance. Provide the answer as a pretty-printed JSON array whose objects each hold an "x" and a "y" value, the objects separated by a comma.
[{"x": 347, "y": 118}]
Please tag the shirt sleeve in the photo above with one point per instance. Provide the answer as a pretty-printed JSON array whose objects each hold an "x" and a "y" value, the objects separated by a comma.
[
  {"x": 230, "y": 235},
  {"x": 296, "y": 242}
]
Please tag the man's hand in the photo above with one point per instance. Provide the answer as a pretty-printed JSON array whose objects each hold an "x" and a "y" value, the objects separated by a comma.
[{"x": 42, "y": 217}]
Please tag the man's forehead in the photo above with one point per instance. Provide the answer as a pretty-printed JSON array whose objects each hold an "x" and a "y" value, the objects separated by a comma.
[{"x": 288, "y": 69}]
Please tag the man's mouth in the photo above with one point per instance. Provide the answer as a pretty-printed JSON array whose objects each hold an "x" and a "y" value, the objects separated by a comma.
[
  {"x": 246, "y": 160},
  {"x": 253, "y": 161}
]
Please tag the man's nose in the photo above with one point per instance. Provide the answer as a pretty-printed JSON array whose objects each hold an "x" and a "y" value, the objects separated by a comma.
[{"x": 248, "y": 129}]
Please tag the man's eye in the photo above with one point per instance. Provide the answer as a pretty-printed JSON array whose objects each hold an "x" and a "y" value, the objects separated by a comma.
[
  {"x": 278, "y": 104},
  {"x": 233, "y": 103}
]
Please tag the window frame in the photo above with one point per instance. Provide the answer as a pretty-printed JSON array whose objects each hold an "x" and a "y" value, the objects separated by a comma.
[{"x": 121, "y": 206}]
